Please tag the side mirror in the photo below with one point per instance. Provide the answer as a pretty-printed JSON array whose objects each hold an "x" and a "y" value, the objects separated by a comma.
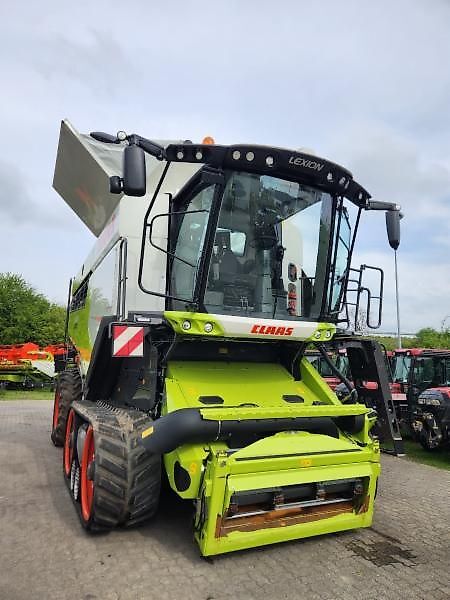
[
  {"x": 393, "y": 228},
  {"x": 134, "y": 172}
]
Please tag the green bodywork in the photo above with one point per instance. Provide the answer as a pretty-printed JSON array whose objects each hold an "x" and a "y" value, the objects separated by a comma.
[
  {"x": 79, "y": 330},
  {"x": 255, "y": 391}
]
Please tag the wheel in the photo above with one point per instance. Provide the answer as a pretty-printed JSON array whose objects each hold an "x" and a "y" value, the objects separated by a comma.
[
  {"x": 87, "y": 477},
  {"x": 429, "y": 440},
  {"x": 69, "y": 443},
  {"x": 68, "y": 389},
  {"x": 430, "y": 434}
]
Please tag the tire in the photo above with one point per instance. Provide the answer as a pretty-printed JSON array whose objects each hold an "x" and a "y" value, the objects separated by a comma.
[
  {"x": 119, "y": 481},
  {"x": 427, "y": 442},
  {"x": 431, "y": 434},
  {"x": 68, "y": 389}
]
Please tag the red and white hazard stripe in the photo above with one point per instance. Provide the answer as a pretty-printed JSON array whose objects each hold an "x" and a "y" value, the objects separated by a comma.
[{"x": 128, "y": 340}]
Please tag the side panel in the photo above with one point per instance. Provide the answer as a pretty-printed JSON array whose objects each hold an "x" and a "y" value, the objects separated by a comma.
[{"x": 94, "y": 299}]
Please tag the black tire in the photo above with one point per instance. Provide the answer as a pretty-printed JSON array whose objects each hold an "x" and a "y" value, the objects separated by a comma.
[
  {"x": 126, "y": 479},
  {"x": 68, "y": 390},
  {"x": 427, "y": 442}
]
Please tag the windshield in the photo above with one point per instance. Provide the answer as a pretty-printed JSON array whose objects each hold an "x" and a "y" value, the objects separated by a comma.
[
  {"x": 342, "y": 364},
  {"x": 431, "y": 371},
  {"x": 402, "y": 365},
  {"x": 270, "y": 249},
  {"x": 446, "y": 372}
]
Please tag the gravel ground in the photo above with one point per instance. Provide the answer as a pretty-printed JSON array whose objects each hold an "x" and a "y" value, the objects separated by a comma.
[{"x": 45, "y": 554}]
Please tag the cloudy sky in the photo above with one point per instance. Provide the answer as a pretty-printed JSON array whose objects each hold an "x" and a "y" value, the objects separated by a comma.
[{"x": 366, "y": 84}]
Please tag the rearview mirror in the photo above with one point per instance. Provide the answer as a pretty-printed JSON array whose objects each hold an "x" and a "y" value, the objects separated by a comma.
[
  {"x": 134, "y": 173},
  {"x": 393, "y": 228}
]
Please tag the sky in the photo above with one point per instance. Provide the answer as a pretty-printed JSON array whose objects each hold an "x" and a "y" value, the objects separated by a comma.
[{"x": 365, "y": 84}]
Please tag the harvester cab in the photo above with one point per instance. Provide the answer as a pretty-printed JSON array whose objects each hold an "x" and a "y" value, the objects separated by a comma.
[{"x": 215, "y": 267}]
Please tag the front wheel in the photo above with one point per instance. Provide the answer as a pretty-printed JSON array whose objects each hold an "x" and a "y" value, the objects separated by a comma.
[{"x": 430, "y": 434}]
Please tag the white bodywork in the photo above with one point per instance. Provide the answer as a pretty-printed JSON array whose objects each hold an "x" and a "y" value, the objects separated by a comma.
[{"x": 82, "y": 172}]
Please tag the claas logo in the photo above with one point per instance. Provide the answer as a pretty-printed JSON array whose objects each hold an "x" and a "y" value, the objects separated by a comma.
[{"x": 270, "y": 330}]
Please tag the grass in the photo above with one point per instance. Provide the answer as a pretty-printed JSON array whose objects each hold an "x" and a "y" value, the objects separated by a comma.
[
  {"x": 41, "y": 394},
  {"x": 438, "y": 458}
]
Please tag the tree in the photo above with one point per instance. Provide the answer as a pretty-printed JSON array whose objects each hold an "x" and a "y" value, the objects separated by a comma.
[
  {"x": 430, "y": 338},
  {"x": 26, "y": 315}
]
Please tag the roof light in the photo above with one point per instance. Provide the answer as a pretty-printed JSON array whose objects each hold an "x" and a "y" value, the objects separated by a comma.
[
  {"x": 269, "y": 161},
  {"x": 121, "y": 136},
  {"x": 236, "y": 155},
  {"x": 180, "y": 154},
  {"x": 208, "y": 140},
  {"x": 199, "y": 155},
  {"x": 250, "y": 156}
]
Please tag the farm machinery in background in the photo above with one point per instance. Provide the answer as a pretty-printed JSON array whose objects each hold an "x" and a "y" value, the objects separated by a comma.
[
  {"x": 27, "y": 365},
  {"x": 419, "y": 380},
  {"x": 323, "y": 367},
  {"x": 214, "y": 269},
  {"x": 421, "y": 394}
]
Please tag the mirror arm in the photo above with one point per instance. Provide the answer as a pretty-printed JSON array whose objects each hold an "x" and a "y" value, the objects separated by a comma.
[
  {"x": 159, "y": 152},
  {"x": 133, "y": 139},
  {"x": 378, "y": 205}
]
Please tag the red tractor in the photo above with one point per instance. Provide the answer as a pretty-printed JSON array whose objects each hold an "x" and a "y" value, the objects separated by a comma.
[
  {"x": 340, "y": 361},
  {"x": 421, "y": 393}
]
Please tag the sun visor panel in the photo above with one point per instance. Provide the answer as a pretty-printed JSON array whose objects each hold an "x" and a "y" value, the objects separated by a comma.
[{"x": 82, "y": 171}]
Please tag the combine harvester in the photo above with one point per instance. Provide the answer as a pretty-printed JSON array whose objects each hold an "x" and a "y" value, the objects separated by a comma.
[{"x": 215, "y": 267}]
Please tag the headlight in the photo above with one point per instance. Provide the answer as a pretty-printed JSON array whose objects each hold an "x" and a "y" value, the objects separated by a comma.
[
  {"x": 430, "y": 401},
  {"x": 434, "y": 402}
]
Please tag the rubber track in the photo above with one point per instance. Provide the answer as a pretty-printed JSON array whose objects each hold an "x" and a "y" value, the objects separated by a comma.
[
  {"x": 127, "y": 479},
  {"x": 69, "y": 386}
]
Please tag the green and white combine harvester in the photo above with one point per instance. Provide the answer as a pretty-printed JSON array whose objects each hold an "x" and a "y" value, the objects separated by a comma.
[{"x": 215, "y": 267}]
